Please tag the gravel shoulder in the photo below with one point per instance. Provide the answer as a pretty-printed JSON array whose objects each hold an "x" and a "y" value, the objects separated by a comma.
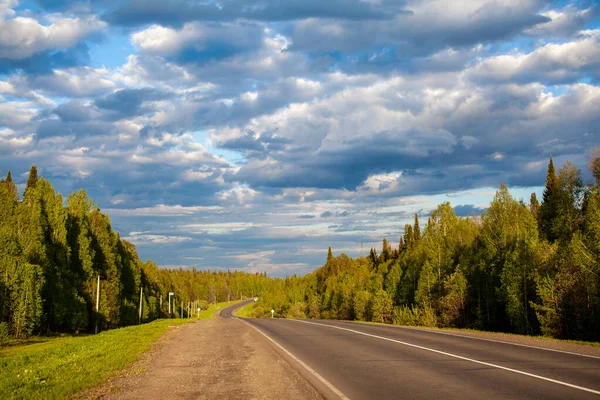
[{"x": 219, "y": 358}]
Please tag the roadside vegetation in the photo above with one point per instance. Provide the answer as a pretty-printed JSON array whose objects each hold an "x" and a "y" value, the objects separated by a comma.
[
  {"x": 52, "y": 254},
  {"x": 528, "y": 268},
  {"x": 54, "y": 368},
  {"x": 246, "y": 311},
  {"x": 45, "y": 367}
]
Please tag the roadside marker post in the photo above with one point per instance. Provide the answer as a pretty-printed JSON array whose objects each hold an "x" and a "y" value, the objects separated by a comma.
[
  {"x": 170, "y": 294},
  {"x": 272, "y": 312},
  {"x": 198, "y": 312}
]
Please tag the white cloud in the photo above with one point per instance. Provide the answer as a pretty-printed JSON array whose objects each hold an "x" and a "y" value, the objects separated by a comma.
[
  {"x": 75, "y": 82},
  {"x": 160, "y": 210},
  {"x": 22, "y": 37},
  {"x": 139, "y": 238},
  {"x": 554, "y": 62},
  {"x": 564, "y": 22}
]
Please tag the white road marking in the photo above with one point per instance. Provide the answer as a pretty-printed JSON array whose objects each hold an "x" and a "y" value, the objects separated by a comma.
[
  {"x": 455, "y": 356},
  {"x": 495, "y": 341},
  {"x": 335, "y": 390}
]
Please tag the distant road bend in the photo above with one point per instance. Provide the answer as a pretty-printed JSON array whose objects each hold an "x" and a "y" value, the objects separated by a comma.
[{"x": 350, "y": 360}]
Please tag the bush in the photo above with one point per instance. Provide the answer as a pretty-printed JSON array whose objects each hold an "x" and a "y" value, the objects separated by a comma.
[
  {"x": 416, "y": 316},
  {"x": 4, "y": 333}
]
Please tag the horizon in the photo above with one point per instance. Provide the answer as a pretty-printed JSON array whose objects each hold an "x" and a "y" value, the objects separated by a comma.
[{"x": 253, "y": 138}]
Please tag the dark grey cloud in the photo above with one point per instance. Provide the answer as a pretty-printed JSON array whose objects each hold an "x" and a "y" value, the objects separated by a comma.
[
  {"x": 45, "y": 62},
  {"x": 467, "y": 210},
  {"x": 73, "y": 111},
  {"x": 128, "y": 102},
  {"x": 175, "y": 13}
]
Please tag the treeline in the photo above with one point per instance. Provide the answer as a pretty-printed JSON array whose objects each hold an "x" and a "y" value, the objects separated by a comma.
[
  {"x": 51, "y": 254},
  {"x": 525, "y": 268}
]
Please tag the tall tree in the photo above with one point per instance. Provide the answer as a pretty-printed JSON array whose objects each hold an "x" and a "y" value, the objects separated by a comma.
[
  {"x": 408, "y": 236},
  {"x": 534, "y": 205},
  {"x": 594, "y": 164},
  {"x": 416, "y": 230},
  {"x": 386, "y": 253},
  {"x": 32, "y": 179},
  {"x": 549, "y": 208}
]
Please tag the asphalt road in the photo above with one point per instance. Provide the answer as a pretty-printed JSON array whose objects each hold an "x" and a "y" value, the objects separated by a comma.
[{"x": 362, "y": 361}]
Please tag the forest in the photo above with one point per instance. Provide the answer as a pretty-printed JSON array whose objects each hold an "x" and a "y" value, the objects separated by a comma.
[
  {"x": 522, "y": 268},
  {"x": 529, "y": 268},
  {"x": 52, "y": 251}
]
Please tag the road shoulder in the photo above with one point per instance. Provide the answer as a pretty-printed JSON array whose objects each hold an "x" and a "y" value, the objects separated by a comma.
[{"x": 218, "y": 358}]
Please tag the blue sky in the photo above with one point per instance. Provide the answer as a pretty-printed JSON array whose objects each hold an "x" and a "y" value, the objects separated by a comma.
[{"x": 253, "y": 134}]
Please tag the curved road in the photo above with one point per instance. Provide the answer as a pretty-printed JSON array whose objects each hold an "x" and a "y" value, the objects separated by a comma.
[{"x": 346, "y": 359}]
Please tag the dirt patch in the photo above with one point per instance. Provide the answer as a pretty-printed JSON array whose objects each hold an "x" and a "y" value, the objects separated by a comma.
[{"x": 211, "y": 359}]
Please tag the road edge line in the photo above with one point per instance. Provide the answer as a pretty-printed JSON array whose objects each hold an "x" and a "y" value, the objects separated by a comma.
[
  {"x": 411, "y": 328},
  {"x": 312, "y": 372},
  {"x": 457, "y": 356}
]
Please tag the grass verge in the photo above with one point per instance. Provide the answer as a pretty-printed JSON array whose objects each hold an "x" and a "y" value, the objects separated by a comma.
[
  {"x": 212, "y": 309},
  {"x": 57, "y": 368},
  {"x": 246, "y": 311}
]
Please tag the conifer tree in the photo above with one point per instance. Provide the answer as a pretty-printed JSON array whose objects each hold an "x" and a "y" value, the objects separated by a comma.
[
  {"x": 408, "y": 236},
  {"x": 594, "y": 164},
  {"x": 416, "y": 230},
  {"x": 401, "y": 245},
  {"x": 548, "y": 210},
  {"x": 385, "y": 251},
  {"x": 534, "y": 205},
  {"x": 12, "y": 188},
  {"x": 33, "y": 177}
]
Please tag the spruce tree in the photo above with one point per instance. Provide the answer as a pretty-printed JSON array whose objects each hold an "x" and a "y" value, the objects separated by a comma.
[
  {"x": 12, "y": 188},
  {"x": 408, "y": 236},
  {"x": 548, "y": 210},
  {"x": 401, "y": 245},
  {"x": 416, "y": 230},
  {"x": 385, "y": 251},
  {"x": 31, "y": 180},
  {"x": 594, "y": 164},
  {"x": 534, "y": 205}
]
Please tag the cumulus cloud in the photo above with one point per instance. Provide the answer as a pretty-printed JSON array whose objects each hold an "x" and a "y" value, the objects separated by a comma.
[
  {"x": 284, "y": 127},
  {"x": 565, "y": 22},
  {"x": 22, "y": 37},
  {"x": 550, "y": 64}
]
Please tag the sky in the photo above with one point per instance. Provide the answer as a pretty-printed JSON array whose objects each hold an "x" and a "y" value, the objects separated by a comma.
[{"x": 253, "y": 134}]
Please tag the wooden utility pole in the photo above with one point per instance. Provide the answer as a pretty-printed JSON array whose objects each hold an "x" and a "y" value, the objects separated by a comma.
[
  {"x": 97, "y": 303},
  {"x": 140, "y": 312}
]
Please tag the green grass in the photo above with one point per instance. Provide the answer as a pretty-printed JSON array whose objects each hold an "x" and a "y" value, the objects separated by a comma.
[
  {"x": 60, "y": 367},
  {"x": 246, "y": 311},
  {"x": 55, "y": 368},
  {"x": 212, "y": 309}
]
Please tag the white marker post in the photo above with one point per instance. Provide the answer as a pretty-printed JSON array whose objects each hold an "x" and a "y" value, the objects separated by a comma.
[
  {"x": 198, "y": 312},
  {"x": 272, "y": 312},
  {"x": 170, "y": 294}
]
